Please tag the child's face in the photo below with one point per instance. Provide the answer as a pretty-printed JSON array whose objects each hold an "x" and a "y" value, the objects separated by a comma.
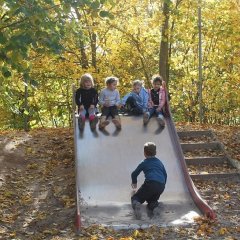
[
  {"x": 156, "y": 85},
  {"x": 112, "y": 86},
  {"x": 137, "y": 88},
  {"x": 87, "y": 84}
]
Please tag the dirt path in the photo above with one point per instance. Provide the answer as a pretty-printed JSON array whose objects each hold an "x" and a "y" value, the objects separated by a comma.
[{"x": 37, "y": 194}]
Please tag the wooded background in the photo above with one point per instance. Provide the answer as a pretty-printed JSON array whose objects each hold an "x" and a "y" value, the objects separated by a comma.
[{"x": 46, "y": 45}]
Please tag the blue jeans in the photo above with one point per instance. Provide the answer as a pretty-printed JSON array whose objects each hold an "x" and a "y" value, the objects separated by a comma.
[
  {"x": 89, "y": 112},
  {"x": 152, "y": 111}
]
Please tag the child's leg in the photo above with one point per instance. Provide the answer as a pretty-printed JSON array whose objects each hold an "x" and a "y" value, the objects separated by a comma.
[
  {"x": 156, "y": 191},
  {"x": 147, "y": 115},
  {"x": 130, "y": 103},
  {"x": 115, "y": 117},
  {"x": 160, "y": 119},
  {"x": 103, "y": 119},
  {"x": 138, "y": 198},
  {"x": 93, "y": 119},
  {"x": 81, "y": 119}
]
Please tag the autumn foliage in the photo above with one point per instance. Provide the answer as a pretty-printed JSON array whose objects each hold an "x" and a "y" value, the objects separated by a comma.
[{"x": 45, "y": 46}]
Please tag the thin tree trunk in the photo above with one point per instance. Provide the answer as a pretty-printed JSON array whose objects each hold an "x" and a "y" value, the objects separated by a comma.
[
  {"x": 163, "y": 55},
  {"x": 26, "y": 107}
]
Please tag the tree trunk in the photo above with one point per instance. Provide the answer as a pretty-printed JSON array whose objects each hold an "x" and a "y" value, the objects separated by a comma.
[
  {"x": 26, "y": 107},
  {"x": 163, "y": 55},
  {"x": 94, "y": 49}
]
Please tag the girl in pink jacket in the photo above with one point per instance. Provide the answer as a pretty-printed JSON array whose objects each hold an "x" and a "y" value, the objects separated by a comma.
[{"x": 156, "y": 102}]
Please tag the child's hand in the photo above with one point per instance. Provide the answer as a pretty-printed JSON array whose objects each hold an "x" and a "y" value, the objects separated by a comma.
[
  {"x": 134, "y": 185},
  {"x": 158, "y": 109},
  {"x": 119, "y": 106},
  {"x": 81, "y": 108},
  {"x": 106, "y": 104},
  {"x": 163, "y": 84},
  {"x": 92, "y": 106}
]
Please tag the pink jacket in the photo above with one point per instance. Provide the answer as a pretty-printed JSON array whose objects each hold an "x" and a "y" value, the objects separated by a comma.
[{"x": 162, "y": 98}]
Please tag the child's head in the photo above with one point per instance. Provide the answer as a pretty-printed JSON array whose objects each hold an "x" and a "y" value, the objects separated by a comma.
[
  {"x": 149, "y": 149},
  {"x": 137, "y": 85},
  {"x": 157, "y": 81},
  {"x": 86, "y": 81},
  {"x": 111, "y": 83}
]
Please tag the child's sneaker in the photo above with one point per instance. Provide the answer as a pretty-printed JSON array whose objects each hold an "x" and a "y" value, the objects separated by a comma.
[
  {"x": 81, "y": 122},
  {"x": 145, "y": 118},
  {"x": 156, "y": 212},
  {"x": 117, "y": 122},
  {"x": 93, "y": 122},
  {"x": 161, "y": 122},
  {"x": 103, "y": 123},
  {"x": 137, "y": 210}
]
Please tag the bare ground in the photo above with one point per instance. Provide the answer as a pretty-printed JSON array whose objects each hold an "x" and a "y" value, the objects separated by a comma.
[{"x": 37, "y": 191}]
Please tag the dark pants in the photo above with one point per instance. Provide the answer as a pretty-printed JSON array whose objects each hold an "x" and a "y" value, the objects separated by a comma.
[
  {"x": 150, "y": 192},
  {"x": 109, "y": 111},
  {"x": 132, "y": 107}
]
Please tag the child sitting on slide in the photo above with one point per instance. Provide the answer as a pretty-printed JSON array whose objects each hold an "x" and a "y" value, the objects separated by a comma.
[
  {"x": 86, "y": 99},
  {"x": 156, "y": 101},
  {"x": 154, "y": 184},
  {"x": 136, "y": 101},
  {"x": 109, "y": 99}
]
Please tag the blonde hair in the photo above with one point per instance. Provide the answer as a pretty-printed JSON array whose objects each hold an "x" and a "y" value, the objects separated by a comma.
[
  {"x": 110, "y": 80},
  {"x": 137, "y": 82},
  {"x": 86, "y": 77}
]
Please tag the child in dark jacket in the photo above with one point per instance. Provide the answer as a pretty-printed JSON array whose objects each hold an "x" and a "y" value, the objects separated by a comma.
[
  {"x": 86, "y": 99},
  {"x": 155, "y": 180},
  {"x": 156, "y": 101}
]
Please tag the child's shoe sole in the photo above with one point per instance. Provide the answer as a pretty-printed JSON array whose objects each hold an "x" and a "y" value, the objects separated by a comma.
[
  {"x": 117, "y": 123},
  {"x": 103, "y": 124},
  {"x": 81, "y": 123},
  {"x": 93, "y": 123}
]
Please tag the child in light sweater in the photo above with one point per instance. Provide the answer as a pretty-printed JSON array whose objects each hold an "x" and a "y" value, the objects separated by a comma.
[{"x": 109, "y": 100}]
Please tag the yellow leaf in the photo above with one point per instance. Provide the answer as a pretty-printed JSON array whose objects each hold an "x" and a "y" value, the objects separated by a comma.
[
  {"x": 136, "y": 234},
  {"x": 223, "y": 231}
]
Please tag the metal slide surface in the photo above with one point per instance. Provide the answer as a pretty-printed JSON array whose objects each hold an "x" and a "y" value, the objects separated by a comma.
[{"x": 104, "y": 162}]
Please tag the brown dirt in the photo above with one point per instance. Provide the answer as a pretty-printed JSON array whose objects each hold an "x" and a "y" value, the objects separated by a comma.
[{"x": 37, "y": 193}]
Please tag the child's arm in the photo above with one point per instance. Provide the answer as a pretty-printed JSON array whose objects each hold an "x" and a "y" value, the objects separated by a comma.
[
  {"x": 101, "y": 98},
  {"x": 95, "y": 99},
  {"x": 77, "y": 97},
  {"x": 118, "y": 100},
  {"x": 135, "y": 173},
  {"x": 163, "y": 99},
  {"x": 150, "y": 102},
  {"x": 145, "y": 98}
]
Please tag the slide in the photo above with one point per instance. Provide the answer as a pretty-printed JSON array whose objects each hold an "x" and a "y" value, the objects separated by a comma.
[{"x": 104, "y": 162}]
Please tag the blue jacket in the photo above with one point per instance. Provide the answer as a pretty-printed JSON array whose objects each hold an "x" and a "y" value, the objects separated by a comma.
[
  {"x": 153, "y": 169},
  {"x": 141, "y": 98}
]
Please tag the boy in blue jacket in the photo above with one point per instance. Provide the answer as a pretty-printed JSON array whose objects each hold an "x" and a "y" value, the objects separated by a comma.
[
  {"x": 155, "y": 180},
  {"x": 136, "y": 102}
]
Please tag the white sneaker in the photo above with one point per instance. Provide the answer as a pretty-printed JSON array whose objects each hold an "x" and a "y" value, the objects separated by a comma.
[{"x": 161, "y": 122}]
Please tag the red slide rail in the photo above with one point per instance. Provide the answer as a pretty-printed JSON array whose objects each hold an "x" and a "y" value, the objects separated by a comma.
[{"x": 199, "y": 201}]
